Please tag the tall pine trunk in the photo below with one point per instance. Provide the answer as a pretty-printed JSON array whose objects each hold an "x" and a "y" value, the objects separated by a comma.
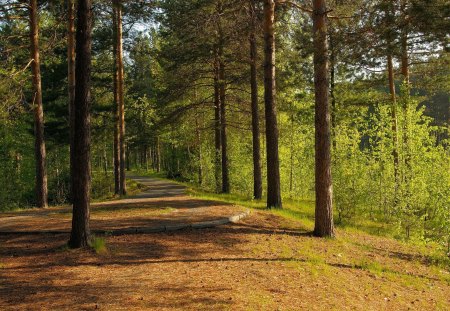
[
  {"x": 158, "y": 155},
  {"x": 273, "y": 166},
  {"x": 222, "y": 97},
  {"x": 39, "y": 143},
  {"x": 324, "y": 226},
  {"x": 390, "y": 68},
  {"x": 394, "y": 120},
  {"x": 407, "y": 88},
  {"x": 81, "y": 179},
  {"x": 199, "y": 145},
  {"x": 332, "y": 86},
  {"x": 257, "y": 178},
  {"x": 217, "y": 128},
  {"x": 117, "y": 108},
  {"x": 120, "y": 95},
  {"x": 71, "y": 72}
]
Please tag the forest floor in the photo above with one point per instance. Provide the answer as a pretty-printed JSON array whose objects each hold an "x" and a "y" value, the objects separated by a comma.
[{"x": 264, "y": 262}]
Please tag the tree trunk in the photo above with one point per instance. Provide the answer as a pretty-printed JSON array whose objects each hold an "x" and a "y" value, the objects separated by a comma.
[
  {"x": 324, "y": 226},
  {"x": 273, "y": 166},
  {"x": 332, "y": 87},
  {"x": 223, "y": 127},
  {"x": 105, "y": 161},
  {"x": 117, "y": 109},
  {"x": 257, "y": 178},
  {"x": 406, "y": 108},
  {"x": 394, "y": 119},
  {"x": 128, "y": 160},
  {"x": 81, "y": 181},
  {"x": 158, "y": 155},
  {"x": 291, "y": 154},
  {"x": 71, "y": 73},
  {"x": 222, "y": 93},
  {"x": 199, "y": 144},
  {"x": 390, "y": 68},
  {"x": 39, "y": 143},
  {"x": 217, "y": 128},
  {"x": 120, "y": 96}
]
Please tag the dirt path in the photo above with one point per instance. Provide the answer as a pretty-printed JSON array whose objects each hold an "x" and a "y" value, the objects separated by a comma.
[
  {"x": 161, "y": 206},
  {"x": 264, "y": 262}
]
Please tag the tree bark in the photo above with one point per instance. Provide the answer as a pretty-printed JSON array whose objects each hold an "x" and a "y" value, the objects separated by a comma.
[
  {"x": 222, "y": 97},
  {"x": 394, "y": 118},
  {"x": 158, "y": 155},
  {"x": 71, "y": 73},
  {"x": 407, "y": 87},
  {"x": 39, "y": 143},
  {"x": 273, "y": 166},
  {"x": 117, "y": 108},
  {"x": 332, "y": 87},
  {"x": 120, "y": 96},
  {"x": 390, "y": 68},
  {"x": 324, "y": 226},
  {"x": 80, "y": 235},
  {"x": 199, "y": 145},
  {"x": 217, "y": 127},
  {"x": 257, "y": 178}
]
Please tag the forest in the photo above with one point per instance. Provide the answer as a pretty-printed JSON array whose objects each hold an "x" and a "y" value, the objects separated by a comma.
[{"x": 334, "y": 114}]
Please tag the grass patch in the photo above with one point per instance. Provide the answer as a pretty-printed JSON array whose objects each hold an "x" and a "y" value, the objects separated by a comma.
[
  {"x": 98, "y": 244},
  {"x": 372, "y": 266},
  {"x": 260, "y": 301}
]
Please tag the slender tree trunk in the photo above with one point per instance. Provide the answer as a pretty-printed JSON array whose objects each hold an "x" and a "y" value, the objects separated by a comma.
[
  {"x": 223, "y": 132},
  {"x": 158, "y": 155},
  {"x": 324, "y": 226},
  {"x": 117, "y": 108},
  {"x": 120, "y": 96},
  {"x": 105, "y": 161},
  {"x": 390, "y": 68},
  {"x": 394, "y": 119},
  {"x": 71, "y": 73},
  {"x": 39, "y": 143},
  {"x": 405, "y": 58},
  {"x": 81, "y": 184},
  {"x": 273, "y": 166},
  {"x": 217, "y": 127},
  {"x": 128, "y": 160},
  {"x": 291, "y": 156},
  {"x": 332, "y": 87},
  {"x": 406, "y": 108},
  {"x": 257, "y": 176},
  {"x": 199, "y": 144},
  {"x": 222, "y": 97}
]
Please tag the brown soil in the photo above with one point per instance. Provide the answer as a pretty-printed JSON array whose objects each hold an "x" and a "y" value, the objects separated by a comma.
[{"x": 263, "y": 263}]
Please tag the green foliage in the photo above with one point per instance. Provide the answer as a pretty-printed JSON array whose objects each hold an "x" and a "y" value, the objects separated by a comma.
[
  {"x": 170, "y": 109},
  {"x": 98, "y": 244}
]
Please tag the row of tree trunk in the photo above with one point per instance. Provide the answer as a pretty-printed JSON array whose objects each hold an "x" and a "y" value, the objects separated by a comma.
[
  {"x": 79, "y": 105},
  {"x": 220, "y": 121},
  {"x": 323, "y": 183}
]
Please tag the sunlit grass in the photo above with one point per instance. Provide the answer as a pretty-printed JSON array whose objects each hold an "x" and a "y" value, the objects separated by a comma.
[{"x": 98, "y": 244}]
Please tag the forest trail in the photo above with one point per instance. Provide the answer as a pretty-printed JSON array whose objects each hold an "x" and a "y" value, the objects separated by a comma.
[
  {"x": 264, "y": 262},
  {"x": 161, "y": 206}
]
